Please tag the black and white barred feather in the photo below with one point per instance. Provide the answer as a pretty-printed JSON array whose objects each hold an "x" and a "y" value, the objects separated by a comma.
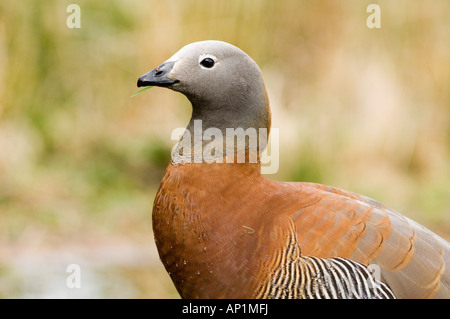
[{"x": 298, "y": 277}]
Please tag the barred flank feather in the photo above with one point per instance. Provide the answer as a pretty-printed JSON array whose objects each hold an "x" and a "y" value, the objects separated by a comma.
[{"x": 300, "y": 277}]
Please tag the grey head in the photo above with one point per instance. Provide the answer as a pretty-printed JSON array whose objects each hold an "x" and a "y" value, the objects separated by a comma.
[
  {"x": 222, "y": 82},
  {"x": 224, "y": 86}
]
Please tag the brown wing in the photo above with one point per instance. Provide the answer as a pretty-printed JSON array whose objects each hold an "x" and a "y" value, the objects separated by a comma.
[{"x": 412, "y": 258}]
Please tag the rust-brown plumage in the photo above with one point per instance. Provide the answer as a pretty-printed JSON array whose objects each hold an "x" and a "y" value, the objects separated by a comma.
[{"x": 220, "y": 227}]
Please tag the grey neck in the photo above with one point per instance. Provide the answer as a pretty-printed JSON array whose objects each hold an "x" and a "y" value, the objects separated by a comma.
[{"x": 222, "y": 133}]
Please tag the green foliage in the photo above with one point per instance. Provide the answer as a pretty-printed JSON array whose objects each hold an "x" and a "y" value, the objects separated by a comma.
[{"x": 140, "y": 91}]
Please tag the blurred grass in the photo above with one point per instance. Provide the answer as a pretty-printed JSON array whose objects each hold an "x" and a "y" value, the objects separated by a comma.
[{"x": 80, "y": 162}]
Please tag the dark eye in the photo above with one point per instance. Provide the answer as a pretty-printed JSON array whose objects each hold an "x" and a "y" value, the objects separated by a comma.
[{"x": 207, "y": 63}]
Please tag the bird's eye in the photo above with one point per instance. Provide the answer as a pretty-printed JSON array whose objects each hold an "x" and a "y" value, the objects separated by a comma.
[{"x": 207, "y": 63}]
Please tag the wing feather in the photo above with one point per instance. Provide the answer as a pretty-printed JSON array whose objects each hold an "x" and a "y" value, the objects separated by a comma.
[{"x": 343, "y": 224}]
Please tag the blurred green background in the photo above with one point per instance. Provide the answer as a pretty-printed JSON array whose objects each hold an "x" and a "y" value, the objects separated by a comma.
[{"x": 366, "y": 110}]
